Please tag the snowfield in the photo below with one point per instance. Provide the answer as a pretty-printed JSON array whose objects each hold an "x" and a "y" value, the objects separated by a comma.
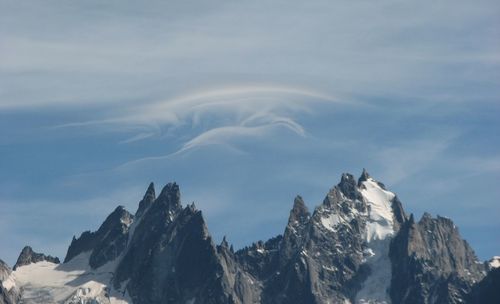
[
  {"x": 70, "y": 283},
  {"x": 495, "y": 262},
  {"x": 379, "y": 230},
  {"x": 380, "y": 216}
]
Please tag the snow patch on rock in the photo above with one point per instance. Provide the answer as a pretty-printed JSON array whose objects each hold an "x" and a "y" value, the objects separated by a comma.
[
  {"x": 380, "y": 223},
  {"x": 9, "y": 282},
  {"x": 495, "y": 262},
  {"x": 330, "y": 221},
  {"x": 379, "y": 231}
]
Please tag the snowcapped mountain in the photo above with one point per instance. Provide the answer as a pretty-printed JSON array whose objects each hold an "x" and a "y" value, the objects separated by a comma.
[{"x": 358, "y": 246}]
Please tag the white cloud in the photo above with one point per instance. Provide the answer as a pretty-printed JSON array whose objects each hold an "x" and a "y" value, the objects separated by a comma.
[
  {"x": 214, "y": 116},
  {"x": 101, "y": 54}
]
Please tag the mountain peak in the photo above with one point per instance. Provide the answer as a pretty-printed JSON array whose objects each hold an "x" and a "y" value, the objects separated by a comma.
[
  {"x": 107, "y": 242},
  {"x": 29, "y": 256},
  {"x": 224, "y": 243},
  {"x": 147, "y": 200},
  {"x": 150, "y": 191},
  {"x": 364, "y": 176},
  {"x": 170, "y": 196},
  {"x": 120, "y": 214},
  {"x": 299, "y": 212},
  {"x": 346, "y": 177},
  {"x": 348, "y": 186}
]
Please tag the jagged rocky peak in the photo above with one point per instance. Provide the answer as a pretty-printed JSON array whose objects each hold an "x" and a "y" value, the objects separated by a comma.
[
  {"x": 112, "y": 237},
  {"x": 446, "y": 246},
  {"x": 121, "y": 215},
  {"x": 224, "y": 243},
  {"x": 348, "y": 186},
  {"x": 432, "y": 263},
  {"x": 299, "y": 213},
  {"x": 171, "y": 256},
  {"x": 107, "y": 242},
  {"x": 29, "y": 256},
  {"x": 364, "y": 176},
  {"x": 170, "y": 197},
  {"x": 147, "y": 200}
]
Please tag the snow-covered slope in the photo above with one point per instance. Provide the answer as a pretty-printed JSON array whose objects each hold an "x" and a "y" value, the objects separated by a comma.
[
  {"x": 70, "y": 283},
  {"x": 379, "y": 230},
  {"x": 380, "y": 223}
]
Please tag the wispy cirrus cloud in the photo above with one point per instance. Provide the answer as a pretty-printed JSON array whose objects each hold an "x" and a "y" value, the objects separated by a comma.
[{"x": 215, "y": 116}]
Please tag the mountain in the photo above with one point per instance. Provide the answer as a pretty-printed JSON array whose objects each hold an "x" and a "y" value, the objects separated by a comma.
[
  {"x": 357, "y": 246},
  {"x": 28, "y": 256}
]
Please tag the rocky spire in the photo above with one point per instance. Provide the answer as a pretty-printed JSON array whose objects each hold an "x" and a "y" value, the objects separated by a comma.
[
  {"x": 453, "y": 262},
  {"x": 295, "y": 230},
  {"x": 170, "y": 196},
  {"x": 28, "y": 256},
  {"x": 411, "y": 220},
  {"x": 299, "y": 213},
  {"x": 399, "y": 213},
  {"x": 224, "y": 243},
  {"x": 364, "y": 176},
  {"x": 107, "y": 242},
  {"x": 147, "y": 200},
  {"x": 348, "y": 186}
]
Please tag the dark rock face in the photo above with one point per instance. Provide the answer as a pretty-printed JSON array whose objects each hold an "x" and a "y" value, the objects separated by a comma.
[
  {"x": 171, "y": 257},
  {"x": 147, "y": 201},
  {"x": 294, "y": 231},
  {"x": 28, "y": 256},
  {"x": 107, "y": 242},
  {"x": 488, "y": 290},
  {"x": 431, "y": 263}
]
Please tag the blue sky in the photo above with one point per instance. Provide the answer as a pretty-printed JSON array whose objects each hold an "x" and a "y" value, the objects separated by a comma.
[{"x": 245, "y": 105}]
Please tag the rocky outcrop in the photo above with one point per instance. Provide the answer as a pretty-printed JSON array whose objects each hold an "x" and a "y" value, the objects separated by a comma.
[
  {"x": 293, "y": 238},
  {"x": 171, "y": 257},
  {"x": 431, "y": 263},
  {"x": 322, "y": 257},
  {"x": 107, "y": 243},
  {"x": 28, "y": 256},
  {"x": 147, "y": 201}
]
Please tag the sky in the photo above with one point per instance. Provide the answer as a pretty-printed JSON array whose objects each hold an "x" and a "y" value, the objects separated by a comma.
[{"x": 245, "y": 104}]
